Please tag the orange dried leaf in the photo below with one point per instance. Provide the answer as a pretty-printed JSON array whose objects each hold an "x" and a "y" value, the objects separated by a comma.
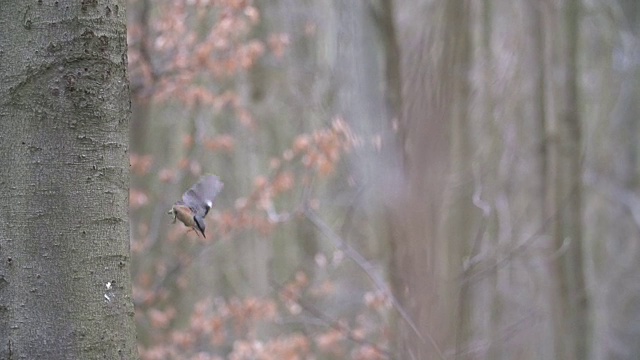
[
  {"x": 301, "y": 143},
  {"x": 260, "y": 182},
  {"x": 252, "y": 14},
  {"x": 283, "y": 182},
  {"x": 137, "y": 199},
  {"x": 167, "y": 175}
]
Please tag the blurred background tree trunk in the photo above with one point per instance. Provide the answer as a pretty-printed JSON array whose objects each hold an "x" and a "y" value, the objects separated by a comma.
[
  {"x": 430, "y": 246},
  {"x": 573, "y": 322},
  {"x": 611, "y": 201},
  {"x": 498, "y": 205}
]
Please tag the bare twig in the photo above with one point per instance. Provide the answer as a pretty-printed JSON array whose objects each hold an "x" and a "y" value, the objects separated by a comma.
[
  {"x": 332, "y": 323},
  {"x": 368, "y": 269},
  {"x": 526, "y": 243}
]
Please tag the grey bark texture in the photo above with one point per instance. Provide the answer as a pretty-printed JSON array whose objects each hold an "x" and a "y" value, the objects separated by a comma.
[{"x": 65, "y": 288}]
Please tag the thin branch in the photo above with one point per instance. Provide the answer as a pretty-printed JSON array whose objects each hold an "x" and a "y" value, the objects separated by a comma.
[
  {"x": 332, "y": 323},
  {"x": 519, "y": 249},
  {"x": 368, "y": 269}
]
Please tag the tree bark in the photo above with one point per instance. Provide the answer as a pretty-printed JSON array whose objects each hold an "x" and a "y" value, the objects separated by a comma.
[
  {"x": 65, "y": 289},
  {"x": 427, "y": 248}
]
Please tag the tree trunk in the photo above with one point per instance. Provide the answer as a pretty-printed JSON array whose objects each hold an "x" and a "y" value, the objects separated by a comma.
[
  {"x": 572, "y": 321},
  {"x": 617, "y": 331},
  {"x": 65, "y": 289},
  {"x": 428, "y": 250}
]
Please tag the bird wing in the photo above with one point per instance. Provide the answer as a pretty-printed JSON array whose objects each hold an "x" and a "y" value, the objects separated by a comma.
[{"x": 202, "y": 193}]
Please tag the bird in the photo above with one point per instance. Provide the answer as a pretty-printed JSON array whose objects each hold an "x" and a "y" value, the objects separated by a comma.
[{"x": 196, "y": 203}]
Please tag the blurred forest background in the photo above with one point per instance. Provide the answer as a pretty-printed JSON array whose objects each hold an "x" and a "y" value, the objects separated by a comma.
[{"x": 404, "y": 179}]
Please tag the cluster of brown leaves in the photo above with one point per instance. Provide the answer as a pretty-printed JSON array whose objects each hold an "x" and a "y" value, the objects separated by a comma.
[
  {"x": 322, "y": 149},
  {"x": 292, "y": 347},
  {"x": 190, "y": 54},
  {"x": 234, "y": 328},
  {"x": 312, "y": 155},
  {"x": 213, "y": 324},
  {"x": 173, "y": 58},
  {"x": 291, "y": 293},
  {"x": 221, "y": 323},
  {"x": 246, "y": 329}
]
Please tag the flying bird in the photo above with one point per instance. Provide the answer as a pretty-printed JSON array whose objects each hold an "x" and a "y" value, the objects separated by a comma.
[{"x": 196, "y": 203}]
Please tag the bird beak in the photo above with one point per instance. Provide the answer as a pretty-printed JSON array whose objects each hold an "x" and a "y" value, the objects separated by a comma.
[{"x": 173, "y": 212}]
